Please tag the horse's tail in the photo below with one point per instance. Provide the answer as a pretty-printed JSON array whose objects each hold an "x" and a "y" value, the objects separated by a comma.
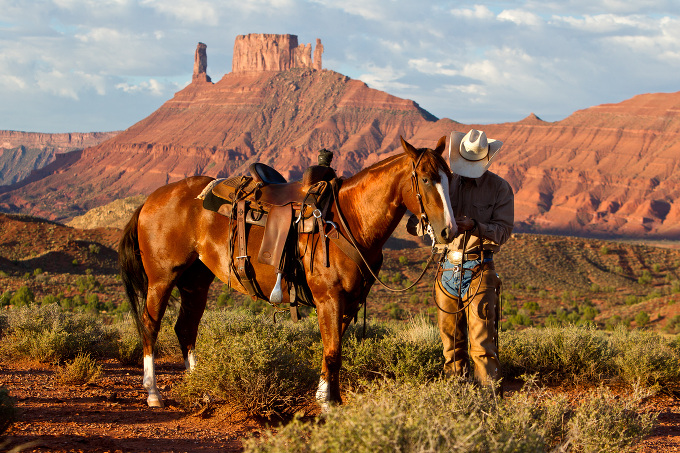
[{"x": 132, "y": 270}]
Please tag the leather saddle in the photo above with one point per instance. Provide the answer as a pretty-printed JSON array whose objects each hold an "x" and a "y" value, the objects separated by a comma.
[
  {"x": 264, "y": 198},
  {"x": 265, "y": 189}
]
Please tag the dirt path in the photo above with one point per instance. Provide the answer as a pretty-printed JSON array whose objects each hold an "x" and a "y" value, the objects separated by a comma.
[{"x": 112, "y": 416}]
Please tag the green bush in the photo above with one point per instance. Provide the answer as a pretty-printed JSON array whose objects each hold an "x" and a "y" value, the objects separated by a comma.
[
  {"x": 645, "y": 278},
  {"x": 8, "y": 412},
  {"x": 81, "y": 370},
  {"x": 405, "y": 353},
  {"x": 584, "y": 354},
  {"x": 642, "y": 319},
  {"x": 607, "y": 423},
  {"x": 262, "y": 368},
  {"x": 129, "y": 347},
  {"x": 673, "y": 324},
  {"x": 646, "y": 358},
  {"x": 22, "y": 297},
  {"x": 49, "y": 334},
  {"x": 556, "y": 353},
  {"x": 454, "y": 416}
]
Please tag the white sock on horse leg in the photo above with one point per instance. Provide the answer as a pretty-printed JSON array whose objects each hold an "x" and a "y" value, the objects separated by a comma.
[
  {"x": 190, "y": 361},
  {"x": 277, "y": 295},
  {"x": 322, "y": 395},
  {"x": 154, "y": 399}
]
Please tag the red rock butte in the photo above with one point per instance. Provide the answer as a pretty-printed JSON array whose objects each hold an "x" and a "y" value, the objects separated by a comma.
[{"x": 608, "y": 170}]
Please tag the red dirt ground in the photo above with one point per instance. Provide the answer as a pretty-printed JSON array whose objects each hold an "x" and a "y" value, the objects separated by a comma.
[{"x": 112, "y": 416}]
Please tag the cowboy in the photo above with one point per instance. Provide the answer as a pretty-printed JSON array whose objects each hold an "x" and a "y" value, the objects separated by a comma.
[{"x": 483, "y": 205}]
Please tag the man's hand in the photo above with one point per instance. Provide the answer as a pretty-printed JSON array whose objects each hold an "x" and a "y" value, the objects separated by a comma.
[{"x": 465, "y": 224}]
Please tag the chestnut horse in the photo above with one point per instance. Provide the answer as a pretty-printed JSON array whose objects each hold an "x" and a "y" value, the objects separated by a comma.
[{"x": 172, "y": 241}]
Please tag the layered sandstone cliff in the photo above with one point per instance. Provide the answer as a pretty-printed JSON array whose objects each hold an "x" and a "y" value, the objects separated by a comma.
[
  {"x": 62, "y": 142},
  {"x": 269, "y": 52}
]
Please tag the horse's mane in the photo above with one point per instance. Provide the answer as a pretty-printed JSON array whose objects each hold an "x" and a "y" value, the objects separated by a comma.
[{"x": 430, "y": 162}]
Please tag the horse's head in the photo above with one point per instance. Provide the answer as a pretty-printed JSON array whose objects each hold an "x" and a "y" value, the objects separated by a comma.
[{"x": 430, "y": 184}]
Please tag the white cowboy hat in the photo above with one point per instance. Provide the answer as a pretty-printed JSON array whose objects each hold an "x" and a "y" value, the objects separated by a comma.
[{"x": 471, "y": 154}]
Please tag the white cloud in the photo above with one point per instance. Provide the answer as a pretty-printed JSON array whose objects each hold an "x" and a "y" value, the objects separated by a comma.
[
  {"x": 384, "y": 79},
  {"x": 520, "y": 17},
  {"x": 476, "y": 12},
  {"x": 151, "y": 86},
  {"x": 425, "y": 66}
]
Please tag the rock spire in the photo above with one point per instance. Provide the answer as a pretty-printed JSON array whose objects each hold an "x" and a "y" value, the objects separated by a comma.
[{"x": 201, "y": 63}]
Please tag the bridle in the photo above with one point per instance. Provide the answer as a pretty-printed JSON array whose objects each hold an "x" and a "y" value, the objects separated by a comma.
[{"x": 423, "y": 221}]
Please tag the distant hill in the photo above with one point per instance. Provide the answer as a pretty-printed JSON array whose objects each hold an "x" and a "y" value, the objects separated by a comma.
[
  {"x": 605, "y": 171},
  {"x": 24, "y": 152}
]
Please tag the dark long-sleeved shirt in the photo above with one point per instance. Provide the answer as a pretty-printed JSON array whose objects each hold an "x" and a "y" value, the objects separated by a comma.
[{"x": 490, "y": 201}]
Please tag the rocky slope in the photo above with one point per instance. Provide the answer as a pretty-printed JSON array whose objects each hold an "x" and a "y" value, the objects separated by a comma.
[
  {"x": 23, "y": 152},
  {"x": 606, "y": 170}
]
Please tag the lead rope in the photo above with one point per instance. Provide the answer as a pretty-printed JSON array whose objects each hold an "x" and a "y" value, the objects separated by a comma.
[{"x": 356, "y": 246}]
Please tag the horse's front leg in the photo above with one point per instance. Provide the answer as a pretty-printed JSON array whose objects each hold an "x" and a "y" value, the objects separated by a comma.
[{"x": 330, "y": 325}]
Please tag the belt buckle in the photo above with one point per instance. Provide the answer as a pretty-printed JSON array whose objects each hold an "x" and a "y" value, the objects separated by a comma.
[{"x": 456, "y": 257}]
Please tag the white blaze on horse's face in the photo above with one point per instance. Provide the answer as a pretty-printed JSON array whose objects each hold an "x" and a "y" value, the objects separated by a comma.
[{"x": 443, "y": 189}]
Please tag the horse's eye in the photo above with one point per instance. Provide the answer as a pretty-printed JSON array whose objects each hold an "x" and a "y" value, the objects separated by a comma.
[{"x": 426, "y": 181}]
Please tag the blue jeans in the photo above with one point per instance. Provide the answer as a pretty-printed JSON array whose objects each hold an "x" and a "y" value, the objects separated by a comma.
[{"x": 451, "y": 280}]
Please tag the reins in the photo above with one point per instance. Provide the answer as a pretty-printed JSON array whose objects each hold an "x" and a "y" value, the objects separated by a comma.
[{"x": 423, "y": 220}]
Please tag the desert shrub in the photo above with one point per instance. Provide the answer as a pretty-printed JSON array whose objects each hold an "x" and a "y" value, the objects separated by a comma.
[
  {"x": 49, "y": 334},
  {"x": 129, "y": 346},
  {"x": 410, "y": 352},
  {"x": 531, "y": 305},
  {"x": 613, "y": 322},
  {"x": 262, "y": 368},
  {"x": 395, "y": 311},
  {"x": 8, "y": 412},
  {"x": 605, "y": 423},
  {"x": 673, "y": 324},
  {"x": 49, "y": 299},
  {"x": 645, "y": 278},
  {"x": 572, "y": 353},
  {"x": 22, "y": 297},
  {"x": 403, "y": 260},
  {"x": 5, "y": 298},
  {"x": 450, "y": 416},
  {"x": 225, "y": 299},
  {"x": 94, "y": 249},
  {"x": 646, "y": 358},
  {"x": 631, "y": 300},
  {"x": 588, "y": 312},
  {"x": 642, "y": 319},
  {"x": 88, "y": 283},
  {"x": 81, "y": 370},
  {"x": 584, "y": 354}
]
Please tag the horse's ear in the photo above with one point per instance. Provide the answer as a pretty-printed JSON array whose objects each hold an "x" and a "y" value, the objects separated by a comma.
[
  {"x": 441, "y": 146},
  {"x": 409, "y": 149}
]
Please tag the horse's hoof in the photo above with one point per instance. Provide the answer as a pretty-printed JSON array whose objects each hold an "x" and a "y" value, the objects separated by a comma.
[
  {"x": 325, "y": 407},
  {"x": 155, "y": 401}
]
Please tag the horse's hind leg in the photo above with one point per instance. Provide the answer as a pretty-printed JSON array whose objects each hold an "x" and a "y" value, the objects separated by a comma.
[
  {"x": 193, "y": 287},
  {"x": 156, "y": 303}
]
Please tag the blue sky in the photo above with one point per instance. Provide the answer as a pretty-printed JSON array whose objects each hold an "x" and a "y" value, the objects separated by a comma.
[{"x": 98, "y": 65}]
